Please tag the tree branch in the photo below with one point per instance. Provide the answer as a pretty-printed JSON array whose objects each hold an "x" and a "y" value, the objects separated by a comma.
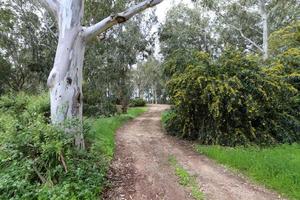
[
  {"x": 119, "y": 18},
  {"x": 41, "y": 177},
  {"x": 51, "y": 5},
  {"x": 246, "y": 38}
]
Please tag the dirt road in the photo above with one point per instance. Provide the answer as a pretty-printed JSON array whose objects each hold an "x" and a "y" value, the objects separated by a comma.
[{"x": 141, "y": 170}]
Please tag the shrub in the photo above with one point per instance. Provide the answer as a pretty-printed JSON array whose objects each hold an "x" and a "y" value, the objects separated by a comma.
[
  {"x": 171, "y": 122},
  {"x": 231, "y": 102},
  {"x": 137, "y": 102},
  {"x": 38, "y": 161},
  {"x": 95, "y": 104},
  {"x": 286, "y": 67}
]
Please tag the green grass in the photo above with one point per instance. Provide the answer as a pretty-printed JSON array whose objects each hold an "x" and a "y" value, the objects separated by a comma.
[
  {"x": 276, "y": 167},
  {"x": 103, "y": 130},
  {"x": 186, "y": 179}
]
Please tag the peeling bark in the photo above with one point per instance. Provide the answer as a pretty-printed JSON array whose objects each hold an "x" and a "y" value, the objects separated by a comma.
[{"x": 65, "y": 79}]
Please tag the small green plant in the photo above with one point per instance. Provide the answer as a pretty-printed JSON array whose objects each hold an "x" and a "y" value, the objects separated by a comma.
[{"x": 186, "y": 179}]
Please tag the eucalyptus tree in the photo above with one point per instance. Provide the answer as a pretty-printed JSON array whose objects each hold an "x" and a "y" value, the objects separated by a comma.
[
  {"x": 148, "y": 80},
  {"x": 108, "y": 63},
  {"x": 248, "y": 23},
  {"x": 129, "y": 46},
  {"x": 22, "y": 45},
  {"x": 186, "y": 28},
  {"x": 65, "y": 79}
]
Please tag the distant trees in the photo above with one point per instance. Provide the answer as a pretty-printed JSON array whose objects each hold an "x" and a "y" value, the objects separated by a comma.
[
  {"x": 186, "y": 28},
  {"x": 149, "y": 81},
  {"x": 248, "y": 24},
  {"x": 26, "y": 45}
]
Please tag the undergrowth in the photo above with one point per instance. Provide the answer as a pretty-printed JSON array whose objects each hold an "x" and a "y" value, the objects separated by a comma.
[{"x": 38, "y": 161}]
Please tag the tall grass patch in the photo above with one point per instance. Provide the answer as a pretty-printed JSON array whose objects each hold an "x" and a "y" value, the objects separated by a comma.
[{"x": 275, "y": 167}]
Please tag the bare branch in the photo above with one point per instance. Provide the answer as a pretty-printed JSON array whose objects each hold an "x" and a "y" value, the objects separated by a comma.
[
  {"x": 62, "y": 159},
  {"x": 246, "y": 38},
  {"x": 41, "y": 177},
  {"x": 51, "y": 5},
  {"x": 119, "y": 18}
]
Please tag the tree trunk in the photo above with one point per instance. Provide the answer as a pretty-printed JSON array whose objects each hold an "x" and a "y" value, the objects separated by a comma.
[
  {"x": 155, "y": 96},
  {"x": 65, "y": 79},
  {"x": 123, "y": 90},
  {"x": 139, "y": 90},
  {"x": 264, "y": 17}
]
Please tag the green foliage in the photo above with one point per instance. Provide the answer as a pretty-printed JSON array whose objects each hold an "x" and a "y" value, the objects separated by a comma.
[
  {"x": 171, "y": 122},
  {"x": 95, "y": 105},
  {"x": 177, "y": 61},
  {"x": 232, "y": 102},
  {"x": 38, "y": 161},
  {"x": 149, "y": 80},
  {"x": 276, "y": 167},
  {"x": 137, "y": 102},
  {"x": 186, "y": 28},
  {"x": 24, "y": 36},
  {"x": 285, "y": 45},
  {"x": 285, "y": 38},
  {"x": 5, "y": 71},
  {"x": 286, "y": 66}
]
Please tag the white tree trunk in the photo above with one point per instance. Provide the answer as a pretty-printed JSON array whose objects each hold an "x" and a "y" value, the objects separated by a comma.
[
  {"x": 65, "y": 79},
  {"x": 264, "y": 17},
  {"x": 155, "y": 96}
]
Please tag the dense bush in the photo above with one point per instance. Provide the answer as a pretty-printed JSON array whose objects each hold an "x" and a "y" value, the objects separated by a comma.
[
  {"x": 137, "y": 102},
  {"x": 231, "y": 101},
  {"x": 285, "y": 38},
  {"x": 38, "y": 161},
  {"x": 95, "y": 105}
]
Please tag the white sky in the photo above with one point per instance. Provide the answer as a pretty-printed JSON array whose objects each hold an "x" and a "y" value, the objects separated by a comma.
[{"x": 162, "y": 8}]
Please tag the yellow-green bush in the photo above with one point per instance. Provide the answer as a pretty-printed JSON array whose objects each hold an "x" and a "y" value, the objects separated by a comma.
[
  {"x": 285, "y": 38},
  {"x": 231, "y": 101}
]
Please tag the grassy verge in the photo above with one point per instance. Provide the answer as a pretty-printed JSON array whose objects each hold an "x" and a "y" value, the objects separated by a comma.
[
  {"x": 276, "y": 167},
  {"x": 102, "y": 135},
  {"x": 103, "y": 130},
  {"x": 186, "y": 179}
]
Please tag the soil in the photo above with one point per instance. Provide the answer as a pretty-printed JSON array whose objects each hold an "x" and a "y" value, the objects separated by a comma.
[{"x": 141, "y": 170}]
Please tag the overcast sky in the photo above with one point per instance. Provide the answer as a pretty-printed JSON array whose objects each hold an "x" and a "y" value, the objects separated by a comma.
[{"x": 163, "y": 8}]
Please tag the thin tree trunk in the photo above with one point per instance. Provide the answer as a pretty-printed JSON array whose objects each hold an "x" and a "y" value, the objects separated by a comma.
[
  {"x": 123, "y": 90},
  {"x": 264, "y": 17},
  {"x": 139, "y": 90},
  {"x": 155, "y": 96}
]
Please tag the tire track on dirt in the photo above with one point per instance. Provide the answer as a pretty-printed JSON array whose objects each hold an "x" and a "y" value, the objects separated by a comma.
[{"x": 141, "y": 171}]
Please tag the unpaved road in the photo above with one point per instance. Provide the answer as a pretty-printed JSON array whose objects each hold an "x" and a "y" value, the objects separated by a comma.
[{"x": 141, "y": 171}]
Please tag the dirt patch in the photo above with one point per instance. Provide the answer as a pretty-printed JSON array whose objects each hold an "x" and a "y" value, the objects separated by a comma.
[{"x": 141, "y": 171}]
